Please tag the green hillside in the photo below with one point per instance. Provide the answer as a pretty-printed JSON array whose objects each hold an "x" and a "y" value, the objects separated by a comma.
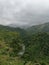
[
  {"x": 38, "y": 28},
  {"x": 21, "y": 47}
]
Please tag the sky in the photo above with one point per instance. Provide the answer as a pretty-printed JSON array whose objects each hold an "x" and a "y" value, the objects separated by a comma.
[{"x": 24, "y": 12}]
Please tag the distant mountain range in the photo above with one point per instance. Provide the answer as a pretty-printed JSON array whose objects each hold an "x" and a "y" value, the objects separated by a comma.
[
  {"x": 30, "y": 29},
  {"x": 36, "y": 45},
  {"x": 39, "y": 28}
]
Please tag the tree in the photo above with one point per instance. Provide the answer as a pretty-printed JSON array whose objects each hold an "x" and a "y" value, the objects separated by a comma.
[{"x": 16, "y": 45}]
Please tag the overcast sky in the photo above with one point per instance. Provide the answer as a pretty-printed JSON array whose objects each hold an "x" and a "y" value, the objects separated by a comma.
[{"x": 24, "y": 12}]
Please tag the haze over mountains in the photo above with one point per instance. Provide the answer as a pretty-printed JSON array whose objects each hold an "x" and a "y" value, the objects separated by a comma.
[
  {"x": 30, "y": 29},
  {"x": 24, "y": 12}
]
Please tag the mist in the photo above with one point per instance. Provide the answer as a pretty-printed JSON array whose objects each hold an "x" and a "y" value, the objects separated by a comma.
[{"x": 24, "y": 12}]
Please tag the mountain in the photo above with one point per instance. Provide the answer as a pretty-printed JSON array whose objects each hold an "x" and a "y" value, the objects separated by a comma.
[
  {"x": 36, "y": 45},
  {"x": 38, "y": 28},
  {"x": 7, "y": 29},
  {"x": 26, "y": 29}
]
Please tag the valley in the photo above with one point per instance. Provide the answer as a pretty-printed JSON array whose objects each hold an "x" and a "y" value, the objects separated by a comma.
[{"x": 28, "y": 46}]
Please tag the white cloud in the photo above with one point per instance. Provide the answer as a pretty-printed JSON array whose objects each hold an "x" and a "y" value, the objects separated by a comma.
[{"x": 23, "y": 11}]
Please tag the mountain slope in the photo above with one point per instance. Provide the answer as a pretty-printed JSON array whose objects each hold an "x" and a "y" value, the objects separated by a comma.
[
  {"x": 39, "y": 28},
  {"x": 36, "y": 45},
  {"x": 12, "y": 29}
]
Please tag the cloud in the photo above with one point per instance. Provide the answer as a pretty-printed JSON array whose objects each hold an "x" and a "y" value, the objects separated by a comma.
[{"x": 24, "y": 12}]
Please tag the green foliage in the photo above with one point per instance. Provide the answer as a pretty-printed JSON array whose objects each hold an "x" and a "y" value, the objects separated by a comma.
[
  {"x": 43, "y": 64},
  {"x": 16, "y": 46},
  {"x": 38, "y": 28},
  {"x": 36, "y": 46}
]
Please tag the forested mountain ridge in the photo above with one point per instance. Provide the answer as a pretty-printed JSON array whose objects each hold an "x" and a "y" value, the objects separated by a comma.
[
  {"x": 36, "y": 45},
  {"x": 39, "y": 28},
  {"x": 35, "y": 28}
]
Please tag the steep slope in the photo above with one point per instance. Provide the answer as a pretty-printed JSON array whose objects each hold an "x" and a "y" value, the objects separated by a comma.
[
  {"x": 36, "y": 45},
  {"x": 22, "y": 32},
  {"x": 39, "y": 28}
]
